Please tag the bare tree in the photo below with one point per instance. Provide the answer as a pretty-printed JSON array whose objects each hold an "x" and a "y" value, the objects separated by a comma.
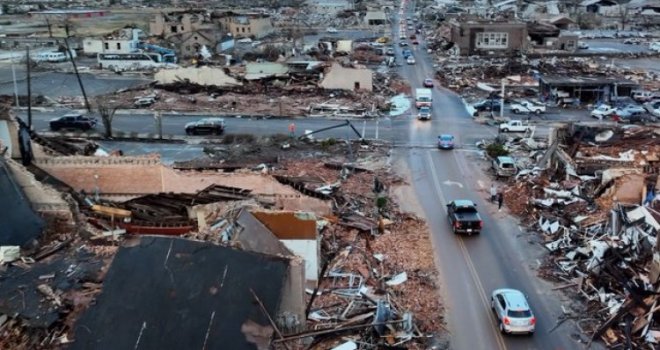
[{"x": 107, "y": 109}]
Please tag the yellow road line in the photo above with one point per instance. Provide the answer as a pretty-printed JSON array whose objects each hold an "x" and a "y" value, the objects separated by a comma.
[{"x": 466, "y": 256}]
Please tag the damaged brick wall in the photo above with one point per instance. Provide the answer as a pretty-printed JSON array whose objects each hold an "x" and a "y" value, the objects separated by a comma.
[{"x": 146, "y": 175}]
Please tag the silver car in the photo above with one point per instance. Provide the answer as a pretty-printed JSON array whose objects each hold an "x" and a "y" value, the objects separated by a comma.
[{"x": 512, "y": 311}]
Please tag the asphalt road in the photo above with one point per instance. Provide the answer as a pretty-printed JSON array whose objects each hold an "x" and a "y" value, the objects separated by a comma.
[
  {"x": 174, "y": 124},
  {"x": 472, "y": 267}
]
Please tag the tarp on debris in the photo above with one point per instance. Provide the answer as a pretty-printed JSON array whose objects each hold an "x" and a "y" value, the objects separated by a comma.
[{"x": 18, "y": 222}]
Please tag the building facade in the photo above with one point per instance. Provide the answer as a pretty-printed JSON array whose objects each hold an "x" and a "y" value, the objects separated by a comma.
[
  {"x": 246, "y": 25},
  {"x": 175, "y": 23},
  {"x": 474, "y": 37}
]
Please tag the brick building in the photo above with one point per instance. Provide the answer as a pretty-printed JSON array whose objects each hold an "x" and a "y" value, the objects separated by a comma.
[
  {"x": 477, "y": 36},
  {"x": 246, "y": 25}
]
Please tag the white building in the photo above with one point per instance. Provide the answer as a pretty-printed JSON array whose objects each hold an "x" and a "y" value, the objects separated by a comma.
[
  {"x": 126, "y": 42},
  {"x": 330, "y": 6}
]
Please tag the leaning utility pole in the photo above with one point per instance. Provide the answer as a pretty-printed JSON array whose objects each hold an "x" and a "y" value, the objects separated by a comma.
[
  {"x": 75, "y": 69},
  {"x": 29, "y": 89}
]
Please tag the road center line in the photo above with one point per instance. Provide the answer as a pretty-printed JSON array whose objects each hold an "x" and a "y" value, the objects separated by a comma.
[{"x": 466, "y": 256}]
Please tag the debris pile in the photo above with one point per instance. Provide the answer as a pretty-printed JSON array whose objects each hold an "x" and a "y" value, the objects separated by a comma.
[{"x": 594, "y": 197}]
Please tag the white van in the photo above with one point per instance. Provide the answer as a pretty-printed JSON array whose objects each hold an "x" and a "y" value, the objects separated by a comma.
[{"x": 51, "y": 57}]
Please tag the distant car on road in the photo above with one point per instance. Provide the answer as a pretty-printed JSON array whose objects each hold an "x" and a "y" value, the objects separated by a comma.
[
  {"x": 410, "y": 60},
  {"x": 428, "y": 83},
  {"x": 424, "y": 113},
  {"x": 331, "y": 30},
  {"x": 527, "y": 107},
  {"x": 406, "y": 53},
  {"x": 512, "y": 311},
  {"x": 582, "y": 45},
  {"x": 415, "y": 42},
  {"x": 72, "y": 122},
  {"x": 215, "y": 126},
  {"x": 464, "y": 217},
  {"x": 390, "y": 52},
  {"x": 403, "y": 44},
  {"x": 446, "y": 141}
]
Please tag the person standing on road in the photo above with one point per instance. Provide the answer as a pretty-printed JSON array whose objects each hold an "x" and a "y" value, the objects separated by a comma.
[
  {"x": 493, "y": 193},
  {"x": 292, "y": 129},
  {"x": 500, "y": 199}
]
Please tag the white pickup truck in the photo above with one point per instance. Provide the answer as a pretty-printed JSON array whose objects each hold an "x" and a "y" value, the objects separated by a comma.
[
  {"x": 527, "y": 107},
  {"x": 515, "y": 126}
]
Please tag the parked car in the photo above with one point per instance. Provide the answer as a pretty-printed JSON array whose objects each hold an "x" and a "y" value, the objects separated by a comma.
[
  {"x": 144, "y": 102},
  {"x": 639, "y": 119},
  {"x": 331, "y": 30},
  {"x": 428, "y": 83},
  {"x": 72, "y": 122},
  {"x": 602, "y": 111},
  {"x": 413, "y": 37},
  {"x": 410, "y": 60},
  {"x": 464, "y": 217},
  {"x": 390, "y": 52},
  {"x": 487, "y": 105},
  {"x": 504, "y": 167},
  {"x": 512, "y": 311},
  {"x": 515, "y": 126},
  {"x": 630, "y": 109},
  {"x": 582, "y": 45},
  {"x": 403, "y": 44},
  {"x": 424, "y": 113},
  {"x": 642, "y": 96},
  {"x": 655, "y": 46},
  {"x": 406, "y": 53},
  {"x": 214, "y": 126},
  {"x": 415, "y": 42},
  {"x": 446, "y": 141},
  {"x": 527, "y": 107},
  {"x": 653, "y": 107}
]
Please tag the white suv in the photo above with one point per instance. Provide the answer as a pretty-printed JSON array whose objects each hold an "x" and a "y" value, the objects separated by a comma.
[{"x": 512, "y": 311}]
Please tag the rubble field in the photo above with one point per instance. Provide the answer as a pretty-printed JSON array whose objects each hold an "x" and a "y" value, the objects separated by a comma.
[
  {"x": 590, "y": 197},
  {"x": 377, "y": 283}
]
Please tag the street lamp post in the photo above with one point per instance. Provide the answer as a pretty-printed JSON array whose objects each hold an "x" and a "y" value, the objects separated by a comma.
[{"x": 502, "y": 101}]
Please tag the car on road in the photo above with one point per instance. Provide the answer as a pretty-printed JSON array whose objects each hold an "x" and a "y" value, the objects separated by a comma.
[
  {"x": 424, "y": 113},
  {"x": 512, "y": 311},
  {"x": 413, "y": 37},
  {"x": 603, "y": 111},
  {"x": 214, "y": 126},
  {"x": 527, "y": 107},
  {"x": 446, "y": 141},
  {"x": 515, "y": 126},
  {"x": 655, "y": 46},
  {"x": 487, "y": 105},
  {"x": 403, "y": 44},
  {"x": 390, "y": 52},
  {"x": 582, "y": 45},
  {"x": 72, "y": 122},
  {"x": 406, "y": 53},
  {"x": 428, "y": 82},
  {"x": 504, "y": 167},
  {"x": 410, "y": 60},
  {"x": 331, "y": 30},
  {"x": 638, "y": 119},
  {"x": 464, "y": 217}
]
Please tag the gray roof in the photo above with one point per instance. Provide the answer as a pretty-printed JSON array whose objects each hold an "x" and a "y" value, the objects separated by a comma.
[{"x": 172, "y": 293}]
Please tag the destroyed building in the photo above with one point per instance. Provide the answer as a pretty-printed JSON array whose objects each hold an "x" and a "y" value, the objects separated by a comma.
[
  {"x": 190, "y": 44},
  {"x": 341, "y": 78},
  {"x": 592, "y": 199},
  {"x": 245, "y": 24},
  {"x": 178, "y": 22},
  {"x": 584, "y": 89},
  {"x": 126, "y": 41},
  {"x": 481, "y": 36}
]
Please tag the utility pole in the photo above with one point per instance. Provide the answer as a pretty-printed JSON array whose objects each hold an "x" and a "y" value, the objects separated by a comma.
[
  {"x": 502, "y": 101},
  {"x": 50, "y": 30},
  {"x": 75, "y": 69},
  {"x": 29, "y": 89},
  {"x": 13, "y": 74},
  {"x": 159, "y": 124}
]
